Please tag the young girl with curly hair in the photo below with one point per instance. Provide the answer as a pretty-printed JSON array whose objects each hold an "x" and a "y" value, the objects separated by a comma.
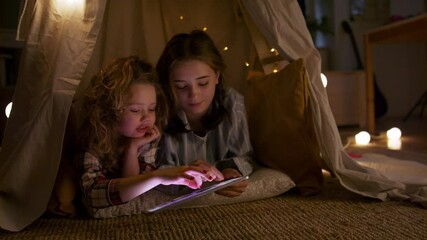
[{"x": 124, "y": 112}]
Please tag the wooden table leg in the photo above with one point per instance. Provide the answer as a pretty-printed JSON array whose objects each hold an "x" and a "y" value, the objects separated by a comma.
[{"x": 369, "y": 86}]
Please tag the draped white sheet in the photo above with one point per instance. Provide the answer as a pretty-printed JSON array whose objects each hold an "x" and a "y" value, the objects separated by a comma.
[
  {"x": 64, "y": 48},
  {"x": 59, "y": 44}
]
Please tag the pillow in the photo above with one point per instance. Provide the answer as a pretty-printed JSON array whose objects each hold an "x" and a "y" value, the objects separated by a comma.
[
  {"x": 263, "y": 183},
  {"x": 281, "y": 128}
]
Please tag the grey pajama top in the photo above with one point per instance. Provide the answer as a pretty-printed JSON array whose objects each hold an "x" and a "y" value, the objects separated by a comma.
[{"x": 226, "y": 146}]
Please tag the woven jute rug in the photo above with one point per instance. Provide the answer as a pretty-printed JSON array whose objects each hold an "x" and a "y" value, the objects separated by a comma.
[{"x": 336, "y": 213}]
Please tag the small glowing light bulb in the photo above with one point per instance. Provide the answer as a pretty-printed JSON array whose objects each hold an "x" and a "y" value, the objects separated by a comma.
[
  {"x": 363, "y": 138},
  {"x": 8, "y": 109},
  {"x": 276, "y": 67},
  {"x": 394, "y": 133},
  {"x": 273, "y": 50},
  {"x": 246, "y": 64},
  {"x": 205, "y": 29},
  {"x": 225, "y": 49},
  {"x": 324, "y": 80},
  {"x": 181, "y": 17}
]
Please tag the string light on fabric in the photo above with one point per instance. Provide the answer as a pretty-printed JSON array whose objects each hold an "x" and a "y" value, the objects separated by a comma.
[
  {"x": 273, "y": 50},
  {"x": 276, "y": 67}
]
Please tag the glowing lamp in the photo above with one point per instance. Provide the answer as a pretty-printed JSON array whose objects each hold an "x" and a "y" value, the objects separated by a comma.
[
  {"x": 363, "y": 138},
  {"x": 71, "y": 5},
  {"x": 8, "y": 109},
  {"x": 324, "y": 80},
  {"x": 394, "y": 133}
]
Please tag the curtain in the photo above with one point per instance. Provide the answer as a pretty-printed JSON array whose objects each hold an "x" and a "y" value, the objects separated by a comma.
[{"x": 60, "y": 38}]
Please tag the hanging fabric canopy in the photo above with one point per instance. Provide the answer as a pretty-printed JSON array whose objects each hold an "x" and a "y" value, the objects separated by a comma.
[{"x": 67, "y": 43}]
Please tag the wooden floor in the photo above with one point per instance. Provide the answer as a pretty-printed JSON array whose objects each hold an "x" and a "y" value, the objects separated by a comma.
[{"x": 413, "y": 140}]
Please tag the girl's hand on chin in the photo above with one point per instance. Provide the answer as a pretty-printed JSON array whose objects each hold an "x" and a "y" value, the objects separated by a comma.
[{"x": 150, "y": 135}]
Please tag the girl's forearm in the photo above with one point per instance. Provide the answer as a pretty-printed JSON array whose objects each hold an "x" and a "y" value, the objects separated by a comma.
[
  {"x": 130, "y": 162},
  {"x": 132, "y": 187}
]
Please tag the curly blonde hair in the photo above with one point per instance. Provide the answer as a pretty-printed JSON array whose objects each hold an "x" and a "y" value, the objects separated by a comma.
[{"x": 102, "y": 107}]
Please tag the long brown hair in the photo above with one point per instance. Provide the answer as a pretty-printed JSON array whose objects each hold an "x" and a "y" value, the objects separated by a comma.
[
  {"x": 195, "y": 45},
  {"x": 102, "y": 107}
]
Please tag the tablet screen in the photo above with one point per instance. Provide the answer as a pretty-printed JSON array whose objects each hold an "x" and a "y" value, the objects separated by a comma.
[{"x": 210, "y": 187}]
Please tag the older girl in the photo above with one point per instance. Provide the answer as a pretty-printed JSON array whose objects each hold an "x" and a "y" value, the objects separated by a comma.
[{"x": 207, "y": 126}]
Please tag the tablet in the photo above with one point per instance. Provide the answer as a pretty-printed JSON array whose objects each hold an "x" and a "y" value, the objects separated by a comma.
[{"x": 206, "y": 189}]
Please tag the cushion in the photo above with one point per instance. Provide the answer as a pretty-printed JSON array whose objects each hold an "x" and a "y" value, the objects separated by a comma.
[
  {"x": 263, "y": 183},
  {"x": 281, "y": 128}
]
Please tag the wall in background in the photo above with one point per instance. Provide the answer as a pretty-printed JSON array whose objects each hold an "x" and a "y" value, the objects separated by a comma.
[
  {"x": 400, "y": 69},
  {"x": 10, "y": 49},
  {"x": 9, "y": 13}
]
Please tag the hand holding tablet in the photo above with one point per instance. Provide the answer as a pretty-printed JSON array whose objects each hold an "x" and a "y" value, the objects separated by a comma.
[{"x": 236, "y": 189}]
